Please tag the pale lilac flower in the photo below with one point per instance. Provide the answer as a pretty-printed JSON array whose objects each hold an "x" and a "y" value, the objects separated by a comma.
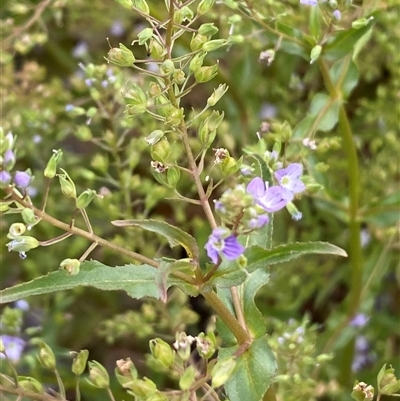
[
  {"x": 312, "y": 3},
  {"x": 22, "y": 179},
  {"x": 117, "y": 29},
  {"x": 221, "y": 242},
  {"x": 80, "y": 50},
  {"x": 22, "y": 304},
  {"x": 360, "y": 320},
  {"x": 69, "y": 107},
  {"x": 13, "y": 347},
  {"x": 9, "y": 158},
  {"x": 5, "y": 177},
  {"x": 288, "y": 178},
  {"x": 337, "y": 14},
  {"x": 258, "y": 222},
  {"x": 271, "y": 199}
]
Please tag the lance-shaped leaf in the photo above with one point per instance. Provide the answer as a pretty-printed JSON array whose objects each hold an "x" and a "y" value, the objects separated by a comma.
[
  {"x": 254, "y": 371},
  {"x": 259, "y": 257},
  {"x": 137, "y": 281},
  {"x": 174, "y": 235}
]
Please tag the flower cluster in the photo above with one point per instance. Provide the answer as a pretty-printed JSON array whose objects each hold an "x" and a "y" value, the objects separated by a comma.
[
  {"x": 248, "y": 208},
  {"x": 20, "y": 179}
]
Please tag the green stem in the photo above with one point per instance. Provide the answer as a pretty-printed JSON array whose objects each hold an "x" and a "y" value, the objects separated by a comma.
[
  {"x": 60, "y": 384},
  {"x": 354, "y": 251},
  {"x": 227, "y": 317}
]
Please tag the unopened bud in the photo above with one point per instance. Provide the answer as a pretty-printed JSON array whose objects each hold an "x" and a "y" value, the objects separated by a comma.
[
  {"x": 162, "y": 352},
  {"x": 98, "y": 376},
  {"x": 125, "y": 3},
  {"x": 22, "y": 243},
  {"x": 173, "y": 176},
  {"x": 387, "y": 382},
  {"x": 145, "y": 35},
  {"x": 197, "y": 42},
  {"x": 208, "y": 29},
  {"x": 71, "y": 266},
  {"x": 205, "y": 74},
  {"x": 175, "y": 116},
  {"x": 121, "y": 56},
  {"x": 136, "y": 99},
  {"x": 154, "y": 137},
  {"x": 51, "y": 168},
  {"x": 196, "y": 62},
  {"x": 205, "y": 6},
  {"x": 141, "y": 6},
  {"x": 143, "y": 388},
  {"x": 187, "y": 378},
  {"x": 214, "y": 120},
  {"x": 85, "y": 198},
  {"x": 30, "y": 384},
  {"x": 67, "y": 185},
  {"x": 156, "y": 50},
  {"x": 360, "y": 23},
  {"x": 167, "y": 67},
  {"x": 179, "y": 77},
  {"x": 16, "y": 229},
  {"x": 315, "y": 53},
  {"x": 161, "y": 150},
  {"x": 154, "y": 90},
  {"x": 79, "y": 362},
  {"x": 46, "y": 357},
  {"x": 222, "y": 371},
  {"x": 213, "y": 45},
  {"x": 217, "y": 95}
]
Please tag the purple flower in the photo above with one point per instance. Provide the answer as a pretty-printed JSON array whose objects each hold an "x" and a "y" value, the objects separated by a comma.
[
  {"x": 13, "y": 347},
  {"x": 312, "y": 3},
  {"x": 221, "y": 242},
  {"x": 22, "y": 304},
  {"x": 9, "y": 159},
  {"x": 69, "y": 107},
  {"x": 271, "y": 199},
  {"x": 337, "y": 14},
  {"x": 360, "y": 320},
  {"x": 258, "y": 222},
  {"x": 288, "y": 178},
  {"x": 22, "y": 179},
  {"x": 5, "y": 177}
]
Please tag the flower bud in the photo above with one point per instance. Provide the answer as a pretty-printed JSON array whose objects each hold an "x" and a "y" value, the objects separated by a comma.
[
  {"x": 362, "y": 392},
  {"x": 28, "y": 215},
  {"x": 206, "y": 345},
  {"x": 51, "y": 168},
  {"x": 98, "y": 376},
  {"x": 154, "y": 90},
  {"x": 137, "y": 98},
  {"x": 85, "y": 198},
  {"x": 208, "y": 29},
  {"x": 387, "y": 381},
  {"x": 205, "y": 74},
  {"x": 222, "y": 371},
  {"x": 22, "y": 179},
  {"x": 361, "y": 22},
  {"x": 30, "y": 384},
  {"x": 174, "y": 116},
  {"x": 6, "y": 141},
  {"x": 144, "y": 35},
  {"x": 229, "y": 165},
  {"x": 154, "y": 137},
  {"x": 173, "y": 176},
  {"x": 22, "y": 243},
  {"x": 143, "y": 388},
  {"x": 161, "y": 150},
  {"x": 205, "y": 136},
  {"x": 79, "y": 362},
  {"x": 84, "y": 133},
  {"x": 71, "y": 266},
  {"x": 182, "y": 14},
  {"x": 315, "y": 53},
  {"x": 197, "y": 42},
  {"x": 196, "y": 62},
  {"x": 187, "y": 378},
  {"x": 214, "y": 120},
  {"x": 5, "y": 178},
  {"x": 205, "y": 6},
  {"x": 67, "y": 185},
  {"x": 16, "y": 229},
  {"x": 8, "y": 160},
  {"x": 156, "y": 49},
  {"x": 46, "y": 356},
  {"x": 213, "y": 45},
  {"x": 217, "y": 95},
  {"x": 179, "y": 76},
  {"x": 141, "y": 6},
  {"x": 167, "y": 67},
  {"x": 121, "y": 56},
  {"x": 125, "y": 3},
  {"x": 162, "y": 352}
]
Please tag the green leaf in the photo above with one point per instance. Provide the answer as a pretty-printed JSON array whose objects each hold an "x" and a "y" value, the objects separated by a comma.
[
  {"x": 315, "y": 23},
  {"x": 254, "y": 371},
  {"x": 264, "y": 171},
  {"x": 174, "y": 234},
  {"x": 345, "y": 75},
  {"x": 255, "y": 321},
  {"x": 344, "y": 42},
  {"x": 258, "y": 257},
  {"x": 137, "y": 281}
]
